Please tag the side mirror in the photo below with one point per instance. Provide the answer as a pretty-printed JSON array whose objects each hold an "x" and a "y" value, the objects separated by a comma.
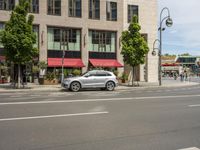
[{"x": 86, "y": 76}]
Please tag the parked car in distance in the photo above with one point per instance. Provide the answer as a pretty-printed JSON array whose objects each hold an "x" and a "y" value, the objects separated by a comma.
[{"x": 91, "y": 79}]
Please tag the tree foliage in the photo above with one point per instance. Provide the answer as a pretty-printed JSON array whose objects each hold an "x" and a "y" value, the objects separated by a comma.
[
  {"x": 185, "y": 54},
  {"x": 134, "y": 46},
  {"x": 18, "y": 37},
  {"x": 170, "y": 55}
]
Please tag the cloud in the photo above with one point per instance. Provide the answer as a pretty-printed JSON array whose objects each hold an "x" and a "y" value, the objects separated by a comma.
[{"x": 184, "y": 34}]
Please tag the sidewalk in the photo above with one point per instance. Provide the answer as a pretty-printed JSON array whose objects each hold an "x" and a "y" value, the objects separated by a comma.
[{"x": 142, "y": 85}]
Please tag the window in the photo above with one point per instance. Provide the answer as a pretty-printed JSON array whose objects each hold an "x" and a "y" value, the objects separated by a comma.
[
  {"x": 75, "y": 8},
  {"x": 111, "y": 9},
  {"x": 54, "y": 7},
  {"x": 7, "y": 4},
  {"x": 34, "y": 6},
  {"x": 2, "y": 26},
  {"x": 102, "y": 41},
  {"x": 132, "y": 10},
  {"x": 64, "y": 38},
  {"x": 94, "y": 9},
  {"x": 36, "y": 31}
]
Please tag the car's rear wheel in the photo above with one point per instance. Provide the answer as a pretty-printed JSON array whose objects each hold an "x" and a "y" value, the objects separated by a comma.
[
  {"x": 110, "y": 86},
  {"x": 75, "y": 86}
]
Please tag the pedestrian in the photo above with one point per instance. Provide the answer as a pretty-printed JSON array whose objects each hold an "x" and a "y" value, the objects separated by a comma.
[{"x": 181, "y": 76}]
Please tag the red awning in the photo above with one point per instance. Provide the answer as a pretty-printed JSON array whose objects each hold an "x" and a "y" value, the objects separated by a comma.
[
  {"x": 68, "y": 62},
  {"x": 105, "y": 63},
  {"x": 173, "y": 64}
]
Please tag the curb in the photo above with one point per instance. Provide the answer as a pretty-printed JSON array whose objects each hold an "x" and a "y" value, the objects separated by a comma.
[{"x": 119, "y": 88}]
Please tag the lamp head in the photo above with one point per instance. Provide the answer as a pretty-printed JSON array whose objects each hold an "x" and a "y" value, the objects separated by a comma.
[
  {"x": 153, "y": 53},
  {"x": 169, "y": 22}
]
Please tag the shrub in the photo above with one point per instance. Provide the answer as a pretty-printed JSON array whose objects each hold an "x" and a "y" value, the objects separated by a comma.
[
  {"x": 124, "y": 76},
  {"x": 65, "y": 72},
  {"x": 35, "y": 69},
  {"x": 50, "y": 76},
  {"x": 76, "y": 72},
  {"x": 42, "y": 65},
  {"x": 116, "y": 73}
]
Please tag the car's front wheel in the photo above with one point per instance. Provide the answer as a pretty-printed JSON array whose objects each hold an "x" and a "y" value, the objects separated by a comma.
[
  {"x": 110, "y": 86},
  {"x": 75, "y": 86}
]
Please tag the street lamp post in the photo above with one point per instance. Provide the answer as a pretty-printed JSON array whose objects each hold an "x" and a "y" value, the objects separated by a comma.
[
  {"x": 64, "y": 37},
  {"x": 155, "y": 48},
  {"x": 169, "y": 23},
  {"x": 63, "y": 54}
]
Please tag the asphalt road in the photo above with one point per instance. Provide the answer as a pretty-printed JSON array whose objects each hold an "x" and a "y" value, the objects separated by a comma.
[{"x": 142, "y": 119}]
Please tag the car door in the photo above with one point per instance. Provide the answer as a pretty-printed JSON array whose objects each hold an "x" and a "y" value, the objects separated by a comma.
[
  {"x": 88, "y": 80},
  {"x": 100, "y": 79}
]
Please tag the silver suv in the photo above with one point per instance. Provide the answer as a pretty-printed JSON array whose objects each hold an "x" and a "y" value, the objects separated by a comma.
[{"x": 92, "y": 79}]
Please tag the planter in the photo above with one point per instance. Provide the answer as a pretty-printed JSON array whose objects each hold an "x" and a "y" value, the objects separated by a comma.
[
  {"x": 123, "y": 81},
  {"x": 50, "y": 82},
  {"x": 41, "y": 81}
]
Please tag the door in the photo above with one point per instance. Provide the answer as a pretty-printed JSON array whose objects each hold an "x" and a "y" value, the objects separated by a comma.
[{"x": 88, "y": 80}]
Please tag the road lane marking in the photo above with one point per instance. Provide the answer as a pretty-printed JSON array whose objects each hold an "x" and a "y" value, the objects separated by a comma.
[
  {"x": 198, "y": 105},
  {"x": 53, "y": 116},
  {"x": 191, "y": 148},
  {"x": 97, "y": 100}
]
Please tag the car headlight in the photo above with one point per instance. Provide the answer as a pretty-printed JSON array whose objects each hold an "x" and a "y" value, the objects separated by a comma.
[{"x": 66, "y": 81}]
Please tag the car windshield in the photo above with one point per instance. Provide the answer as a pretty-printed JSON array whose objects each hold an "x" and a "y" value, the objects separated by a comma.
[{"x": 84, "y": 73}]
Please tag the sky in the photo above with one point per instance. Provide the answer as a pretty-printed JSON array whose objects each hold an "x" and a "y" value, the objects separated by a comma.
[{"x": 184, "y": 35}]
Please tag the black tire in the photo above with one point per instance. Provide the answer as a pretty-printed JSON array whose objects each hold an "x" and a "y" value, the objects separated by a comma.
[
  {"x": 110, "y": 86},
  {"x": 75, "y": 86}
]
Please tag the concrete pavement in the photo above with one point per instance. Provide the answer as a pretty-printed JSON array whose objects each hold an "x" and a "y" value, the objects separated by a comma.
[
  {"x": 147, "y": 119},
  {"x": 166, "y": 82}
]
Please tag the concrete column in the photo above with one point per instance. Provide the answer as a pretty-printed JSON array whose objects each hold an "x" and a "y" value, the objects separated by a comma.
[
  {"x": 43, "y": 45},
  {"x": 16, "y": 2},
  {"x": 84, "y": 36}
]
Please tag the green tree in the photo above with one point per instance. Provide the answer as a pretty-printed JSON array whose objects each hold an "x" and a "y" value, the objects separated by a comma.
[
  {"x": 134, "y": 46},
  {"x": 185, "y": 54},
  {"x": 18, "y": 37}
]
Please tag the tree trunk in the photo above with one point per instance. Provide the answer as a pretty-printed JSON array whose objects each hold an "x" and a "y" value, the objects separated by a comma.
[
  {"x": 133, "y": 75},
  {"x": 19, "y": 76}
]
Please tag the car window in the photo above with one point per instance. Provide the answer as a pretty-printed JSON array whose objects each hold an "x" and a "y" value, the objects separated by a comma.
[
  {"x": 101, "y": 74},
  {"x": 89, "y": 74},
  {"x": 108, "y": 74}
]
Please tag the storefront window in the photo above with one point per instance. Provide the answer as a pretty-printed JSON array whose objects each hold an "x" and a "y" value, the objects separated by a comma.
[
  {"x": 2, "y": 25},
  {"x": 100, "y": 41},
  {"x": 64, "y": 38},
  {"x": 36, "y": 31}
]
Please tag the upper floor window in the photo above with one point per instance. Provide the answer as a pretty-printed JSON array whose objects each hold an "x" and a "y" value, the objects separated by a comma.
[
  {"x": 111, "y": 9},
  {"x": 7, "y": 4},
  {"x": 94, "y": 9},
  {"x": 54, "y": 7},
  {"x": 75, "y": 8},
  {"x": 132, "y": 10},
  {"x": 34, "y": 6}
]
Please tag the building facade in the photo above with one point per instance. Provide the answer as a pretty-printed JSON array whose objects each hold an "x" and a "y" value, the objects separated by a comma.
[{"x": 87, "y": 32}]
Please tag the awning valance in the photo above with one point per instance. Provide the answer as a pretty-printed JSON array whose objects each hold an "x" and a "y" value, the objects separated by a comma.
[
  {"x": 68, "y": 62},
  {"x": 105, "y": 63}
]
